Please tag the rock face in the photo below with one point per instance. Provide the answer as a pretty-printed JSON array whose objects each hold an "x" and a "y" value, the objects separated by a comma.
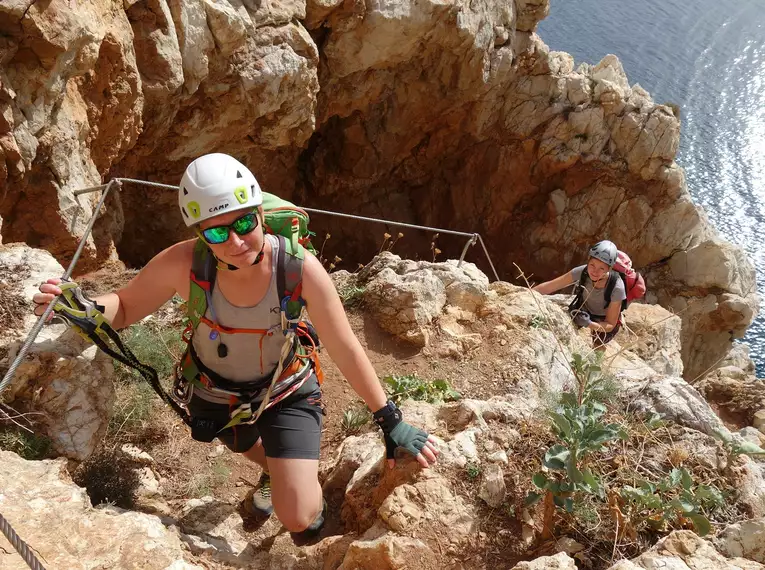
[
  {"x": 63, "y": 377},
  {"x": 744, "y": 540},
  {"x": 683, "y": 549},
  {"x": 657, "y": 337},
  {"x": 44, "y": 507},
  {"x": 417, "y": 111},
  {"x": 407, "y": 516}
]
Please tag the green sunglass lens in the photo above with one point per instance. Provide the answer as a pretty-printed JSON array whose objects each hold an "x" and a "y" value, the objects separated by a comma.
[
  {"x": 245, "y": 224},
  {"x": 216, "y": 234}
]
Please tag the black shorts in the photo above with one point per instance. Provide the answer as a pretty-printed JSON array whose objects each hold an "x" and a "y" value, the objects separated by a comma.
[{"x": 290, "y": 430}]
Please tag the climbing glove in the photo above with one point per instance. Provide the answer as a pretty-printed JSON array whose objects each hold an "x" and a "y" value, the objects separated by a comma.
[
  {"x": 397, "y": 432},
  {"x": 582, "y": 319}
]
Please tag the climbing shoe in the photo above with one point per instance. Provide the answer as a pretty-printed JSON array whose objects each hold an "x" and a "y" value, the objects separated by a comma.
[
  {"x": 258, "y": 503},
  {"x": 313, "y": 529}
]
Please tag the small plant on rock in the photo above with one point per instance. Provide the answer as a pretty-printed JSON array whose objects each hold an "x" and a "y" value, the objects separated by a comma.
[
  {"x": 25, "y": 444},
  {"x": 672, "y": 502},
  {"x": 351, "y": 295},
  {"x": 578, "y": 425},
  {"x": 473, "y": 470},
  {"x": 735, "y": 445},
  {"x": 412, "y": 386},
  {"x": 354, "y": 419},
  {"x": 537, "y": 321}
]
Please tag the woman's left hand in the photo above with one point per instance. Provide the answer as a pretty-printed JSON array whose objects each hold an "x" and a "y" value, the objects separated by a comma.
[{"x": 412, "y": 440}]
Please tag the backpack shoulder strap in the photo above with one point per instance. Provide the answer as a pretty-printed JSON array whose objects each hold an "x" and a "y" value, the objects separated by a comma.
[
  {"x": 289, "y": 276},
  {"x": 203, "y": 272},
  {"x": 578, "y": 301},
  {"x": 583, "y": 278},
  {"x": 612, "y": 280}
]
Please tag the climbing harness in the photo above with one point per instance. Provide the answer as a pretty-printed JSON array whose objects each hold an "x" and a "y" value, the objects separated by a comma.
[{"x": 299, "y": 353}]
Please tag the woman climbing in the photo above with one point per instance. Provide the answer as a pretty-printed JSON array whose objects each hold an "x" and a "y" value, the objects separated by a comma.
[
  {"x": 244, "y": 287},
  {"x": 599, "y": 294}
]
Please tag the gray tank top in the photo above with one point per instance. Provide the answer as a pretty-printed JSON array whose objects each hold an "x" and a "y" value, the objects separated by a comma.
[{"x": 250, "y": 356}]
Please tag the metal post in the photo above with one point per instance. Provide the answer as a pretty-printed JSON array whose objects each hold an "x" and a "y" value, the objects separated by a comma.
[
  {"x": 470, "y": 242},
  {"x": 488, "y": 257}
]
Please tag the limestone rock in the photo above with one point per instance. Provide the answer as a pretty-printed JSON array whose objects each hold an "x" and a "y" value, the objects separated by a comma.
[
  {"x": 752, "y": 488},
  {"x": 745, "y": 539},
  {"x": 432, "y": 501},
  {"x": 758, "y": 420},
  {"x": 137, "y": 455},
  {"x": 405, "y": 296},
  {"x": 43, "y": 506},
  {"x": 658, "y": 337},
  {"x": 499, "y": 457},
  {"x": 493, "y": 486},
  {"x": 737, "y": 392},
  {"x": 352, "y": 453},
  {"x": 683, "y": 549},
  {"x": 66, "y": 378},
  {"x": 560, "y": 561},
  {"x": 675, "y": 400},
  {"x": 387, "y": 552},
  {"x": 739, "y": 357}
]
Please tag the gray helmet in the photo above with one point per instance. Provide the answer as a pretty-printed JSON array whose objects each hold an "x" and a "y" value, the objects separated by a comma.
[{"x": 605, "y": 251}]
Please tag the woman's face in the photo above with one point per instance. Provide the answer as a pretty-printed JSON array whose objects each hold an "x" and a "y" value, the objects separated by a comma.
[
  {"x": 597, "y": 269},
  {"x": 237, "y": 250}
]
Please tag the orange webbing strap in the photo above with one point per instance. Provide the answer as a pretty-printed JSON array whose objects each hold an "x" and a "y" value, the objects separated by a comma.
[{"x": 232, "y": 330}]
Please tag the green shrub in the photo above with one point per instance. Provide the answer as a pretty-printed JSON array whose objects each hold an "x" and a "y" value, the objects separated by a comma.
[
  {"x": 668, "y": 502},
  {"x": 27, "y": 445},
  {"x": 411, "y": 386}
]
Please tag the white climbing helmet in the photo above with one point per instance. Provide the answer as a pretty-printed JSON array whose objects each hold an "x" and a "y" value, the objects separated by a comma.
[
  {"x": 605, "y": 251},
  {"x": 214, "y": 184}
]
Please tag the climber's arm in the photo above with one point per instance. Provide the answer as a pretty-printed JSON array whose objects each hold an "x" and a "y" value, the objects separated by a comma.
[
  {"x": 556, "y": 284},
  {"x": 166, "y": 274},
  {"x": 612, "y": 318}
]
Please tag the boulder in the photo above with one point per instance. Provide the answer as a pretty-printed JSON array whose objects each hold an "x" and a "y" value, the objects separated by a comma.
[
  {"x": 745, "y": 539},
  {"x": 683, "y": 549},
  {"x": 406, "y": 296},
  {"x": 657, "y": 337},
  {"x": 64, "y": 377},
  {"x": 674, "y": 399},
  {"x": 388, "y": 552},
  {"x": 44, "y": 506}
]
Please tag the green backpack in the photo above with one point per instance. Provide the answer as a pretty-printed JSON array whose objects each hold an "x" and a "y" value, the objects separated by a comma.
[{"x": 281, "y": 215}]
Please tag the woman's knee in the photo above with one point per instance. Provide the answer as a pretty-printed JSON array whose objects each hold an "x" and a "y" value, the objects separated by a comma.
[{"x": 297, "y": 518}]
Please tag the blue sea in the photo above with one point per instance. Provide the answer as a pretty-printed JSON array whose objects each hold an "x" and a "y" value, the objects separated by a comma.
[{"x": 707, "y": 56}]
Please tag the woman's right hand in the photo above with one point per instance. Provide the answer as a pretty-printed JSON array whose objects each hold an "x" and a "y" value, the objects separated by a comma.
[{"x": 49, "y": 290}]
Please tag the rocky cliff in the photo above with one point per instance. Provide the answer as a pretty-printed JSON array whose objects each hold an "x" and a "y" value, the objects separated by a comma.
[
  {"x": 512, "y": 351},
  {"x": 453, "y": 114}
]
